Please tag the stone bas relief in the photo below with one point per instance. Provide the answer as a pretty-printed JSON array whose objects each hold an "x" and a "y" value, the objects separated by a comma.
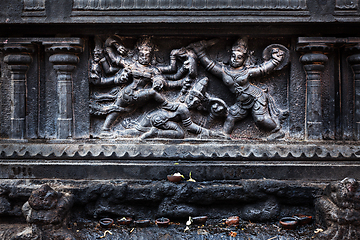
[
  {"x": 340, "y": 210},
  {"x": 47, "y": 213},
  {"x": 135, "y": 93}
]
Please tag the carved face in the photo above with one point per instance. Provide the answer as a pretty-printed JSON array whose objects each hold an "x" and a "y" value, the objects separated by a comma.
[
  {"x": 97, "y": 55},
  {"x": 218, "y": 109},
  {"x": 144, "y": 56},
  {"x": 237, "y": 58},
  {"x": 352, "y": 186},
  {"x": 192, "y": 101}
]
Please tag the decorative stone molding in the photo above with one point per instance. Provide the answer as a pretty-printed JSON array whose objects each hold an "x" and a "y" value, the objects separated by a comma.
[
  {"x": 34, "y": 8},
  {"x": 18, "y": 57},
  {"x": 34, "y": 5},
  {"x": 170, "y": 149},
  {"x": 190, "y": 4},
  {"x": 64, "y": 60},
  {"x": 346, "y": 4}
]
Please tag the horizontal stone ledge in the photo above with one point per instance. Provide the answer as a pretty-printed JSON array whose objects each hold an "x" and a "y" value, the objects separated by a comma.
[
  {"x": 198, "y": 4},
  {"x": 158, "y": 170},
  {"x": 197, "y": 149}
]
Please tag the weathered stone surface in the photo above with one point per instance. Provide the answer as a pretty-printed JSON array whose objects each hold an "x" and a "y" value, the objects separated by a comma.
[
  {"x": 157, "y": 198},
  {"x": 5, "y": 206},
  {"x": 263, "y": 211},
  {"x": 53, "y": 50},
  {"x": 339, "y": 209}
]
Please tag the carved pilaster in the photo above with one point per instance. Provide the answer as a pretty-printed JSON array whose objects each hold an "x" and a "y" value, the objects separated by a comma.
[
  {"x": 314, "y": 61},
  {"x": 64, "y": 60},
  {"x": 354, "y": 61},
  {"x": 18, "y": 59}
]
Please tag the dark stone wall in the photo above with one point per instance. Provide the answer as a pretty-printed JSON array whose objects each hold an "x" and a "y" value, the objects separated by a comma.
[{"x": 261, "y": 200}]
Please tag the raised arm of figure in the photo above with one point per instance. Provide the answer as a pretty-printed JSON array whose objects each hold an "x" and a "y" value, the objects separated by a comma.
[
  {"x": 107, "y": 67},
  {"x": 210, "y": 65},
  {"x": 115, "y": 51},
  {"x": 172, "y": 66},
  {"x": 115, "y": 58},
  {"x": 277, "y": 56}
]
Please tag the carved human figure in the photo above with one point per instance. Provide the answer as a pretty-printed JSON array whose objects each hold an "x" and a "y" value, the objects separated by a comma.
[
  {"x": 249, "y": 98},
  {"x": 340, "y": 209},
  {"x": 99, "y": 64},
  {"x": 185, "y": 75},
  {"x": 164, "y": 123},
  {"x": 46, "y": 211},
  {"x": 137, "y": 73}
]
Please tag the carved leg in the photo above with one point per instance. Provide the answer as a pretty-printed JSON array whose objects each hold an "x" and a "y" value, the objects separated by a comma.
[
  {"x": 171, "y": 130},
  {"x": 267, "y": 123},
  {"x": 229, "y": 124},
  {"x": 168, "y": 130},
  {"x": 153, "y": 133},
  {"x": 128, "y": 133},
  {"x": 146, "y": 95},
  {"x": 109, "y": 120}
]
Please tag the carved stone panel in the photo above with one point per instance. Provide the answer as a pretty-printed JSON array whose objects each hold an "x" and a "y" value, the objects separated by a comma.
[
  {"x": 155, "y": 88},
  {"x": 233, "y": 90}
]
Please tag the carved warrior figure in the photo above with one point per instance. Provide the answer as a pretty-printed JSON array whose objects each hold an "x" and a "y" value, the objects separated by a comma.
[
  {"x": 249, "y": 98},
  {"x": 46, "y": 211},
  {"x": 186, "y": 75},
  {"x": 137, "y": 74},
  {"x": 163, "y": 123},
  {"x": 340, "y": 209}
]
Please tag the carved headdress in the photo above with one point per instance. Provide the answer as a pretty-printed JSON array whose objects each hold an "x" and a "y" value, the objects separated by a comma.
[
  {"x": 199, "y": 88},
  {"x": 145, "y": 44},
  {"x": 241, "y": 45},
  {"x": 98, "y": 45}
]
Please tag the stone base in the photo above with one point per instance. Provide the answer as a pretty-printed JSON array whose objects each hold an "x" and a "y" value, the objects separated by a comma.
[{"x": 159, "y": 169}]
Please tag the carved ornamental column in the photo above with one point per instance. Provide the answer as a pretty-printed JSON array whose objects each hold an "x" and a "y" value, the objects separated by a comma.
[
  {"x": 64, "y": 60},
  {"x": 18, "y": 57},
  {"x": 314, "y": 60},
  {"x": 354, "y": 61}
]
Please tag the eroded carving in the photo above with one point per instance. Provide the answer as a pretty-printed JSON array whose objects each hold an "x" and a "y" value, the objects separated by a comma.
[
  {"x": 127, "y": 81},
  {"x": 47, "y": 211},
  {"x": 340, "y": 209}
]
